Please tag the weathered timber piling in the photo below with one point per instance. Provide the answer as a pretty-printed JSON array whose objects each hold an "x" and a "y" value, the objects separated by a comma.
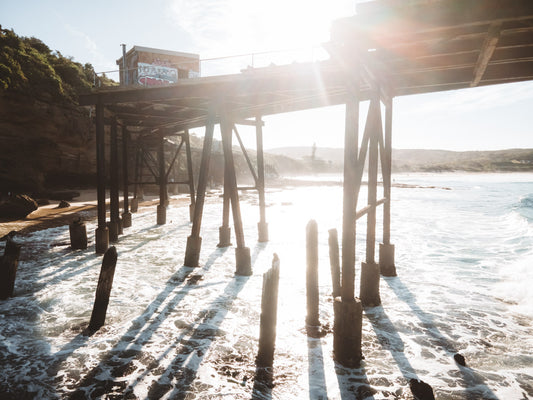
[
  {"x": 224, "y": 231},
  {"x": 194, "y": 241},
  {"x": 269, "y": 315},
  {"x": 243, "y": 261},
  {"x": 190, "y": 175},
  {"x": 369, "y": 291},
  {"x": 134, "y": 206},
  {"x": 115, "y": 224},
  {"x": 102, "y": 233},
  {"x": 126, "y": 215},
  {"x": 262, "y": 225},
  {"x": 103, "y": 290},
  {"x": 312, "y": 274},
  {"x": 78, "y": 235},
  {"x": 334, "y": 262},
  {"x": 347, "y": 332},
  {"x": 163, "y": 195},
  {"x": 347, "y": 328},
  {"x": 386, "y": 249},
  {"x": 112, "y": 228},
  {"x": 224, "y": 234},
  {"x": 137, "y": 188},
  {"x": 8, "y": 268},
  {"x": 386, "y": 259}
]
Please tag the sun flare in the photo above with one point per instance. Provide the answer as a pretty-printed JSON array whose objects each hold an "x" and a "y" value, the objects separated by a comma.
[{"x": 243, "y": 26}]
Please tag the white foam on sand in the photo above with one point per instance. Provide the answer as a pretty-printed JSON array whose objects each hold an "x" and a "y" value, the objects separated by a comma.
[{"x": 172, "y": 329}]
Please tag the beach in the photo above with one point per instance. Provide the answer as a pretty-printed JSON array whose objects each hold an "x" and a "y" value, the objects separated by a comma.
[{"x": 464, "y": 244}]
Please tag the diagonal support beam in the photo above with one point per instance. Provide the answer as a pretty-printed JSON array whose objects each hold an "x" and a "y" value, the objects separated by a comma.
[
  {"x": 174, "y": 158},
  {"x": 147, "y": 156},
  {"x": 245, "y": 153},
  {"x": 370, "y": 125},
  {"x": 487, "y": 50}
]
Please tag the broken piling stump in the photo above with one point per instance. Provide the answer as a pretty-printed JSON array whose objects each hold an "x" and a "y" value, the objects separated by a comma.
[
  {"x": 78, "y": 235},
  {"x": 134, "y": 205},
  {"x": 103, "y": 290},
  {"x": 8, "y": 268},
  {"x": 112, "y": 227},
  {"x": 347, "y": 332},
  {"x": 334, "y": 262},
  {"x": 269, "y": 315},
  {"x": 312, "y": 274},
  {"x": 369, "y": 290}
]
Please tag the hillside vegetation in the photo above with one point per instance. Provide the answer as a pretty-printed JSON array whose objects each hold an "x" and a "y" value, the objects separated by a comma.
[{"x": 30, "y": 68}]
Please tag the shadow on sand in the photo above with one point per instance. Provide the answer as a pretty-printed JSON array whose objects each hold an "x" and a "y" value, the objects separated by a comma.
[{"x": 474, "y": 384}]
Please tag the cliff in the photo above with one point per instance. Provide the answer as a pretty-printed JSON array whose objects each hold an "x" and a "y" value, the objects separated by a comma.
[{"x": 44, "y": 144}]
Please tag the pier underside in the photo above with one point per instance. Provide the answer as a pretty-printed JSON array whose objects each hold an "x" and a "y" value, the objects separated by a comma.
[{"x": 390, "y": 48}]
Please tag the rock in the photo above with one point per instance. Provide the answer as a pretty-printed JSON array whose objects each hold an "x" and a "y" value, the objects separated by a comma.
[
  {"x": 43, "y": 202},
  {"x": 17, "y": 206},
  {"x": 459, "y": 359},
  {"x": 10, "y": 235},
  {"x": 63, "y": 204},
  {"x": 421, "y": 390}
]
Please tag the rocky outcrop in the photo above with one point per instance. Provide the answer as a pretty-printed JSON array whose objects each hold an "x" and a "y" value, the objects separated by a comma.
[
  {"x": 16, "y": 206},
  {"x": 44, "y": 144}
]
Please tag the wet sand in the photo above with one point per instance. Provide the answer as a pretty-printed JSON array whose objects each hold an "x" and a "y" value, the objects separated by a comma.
[{"x": 50, "y": 216}]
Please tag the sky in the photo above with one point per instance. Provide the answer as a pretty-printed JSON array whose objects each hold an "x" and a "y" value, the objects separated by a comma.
[{"x": 489, "y": 118}]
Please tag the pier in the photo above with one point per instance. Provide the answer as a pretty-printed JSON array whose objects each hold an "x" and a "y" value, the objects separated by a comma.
[{"x": 388, "y": 49}]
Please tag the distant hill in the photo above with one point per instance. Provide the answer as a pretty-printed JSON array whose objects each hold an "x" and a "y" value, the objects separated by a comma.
[{"x": 404, "y": 160}]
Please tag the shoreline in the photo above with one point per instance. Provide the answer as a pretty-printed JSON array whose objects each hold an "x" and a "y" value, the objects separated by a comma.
[{"x": 83, "y": 207}]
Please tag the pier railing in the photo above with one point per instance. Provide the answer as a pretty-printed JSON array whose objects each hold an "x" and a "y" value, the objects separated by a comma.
[{"x": 233, "y": 64}]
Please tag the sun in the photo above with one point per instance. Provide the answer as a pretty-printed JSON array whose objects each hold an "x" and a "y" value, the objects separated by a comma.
[{"x": 283, "y": 24}]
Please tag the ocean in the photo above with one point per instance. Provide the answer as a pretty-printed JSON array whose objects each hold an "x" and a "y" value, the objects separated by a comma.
[{"x": 464, "y": 258}]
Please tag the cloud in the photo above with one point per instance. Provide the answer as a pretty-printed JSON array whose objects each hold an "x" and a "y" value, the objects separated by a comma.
[
  {"x": 203, "y": 21},
  {"x": 226, "y": 26},
  {"x": 98, "y": 60}
]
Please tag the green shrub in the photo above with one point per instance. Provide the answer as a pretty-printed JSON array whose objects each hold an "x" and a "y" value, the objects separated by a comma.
[{"x": 29, "y": 67}]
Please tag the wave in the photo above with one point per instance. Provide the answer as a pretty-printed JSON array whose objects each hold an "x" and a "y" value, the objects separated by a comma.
[
  {"x": 527, "y": 201},
  {"x": 524, "y": 207},
  {"x": 515, "y": 286}
]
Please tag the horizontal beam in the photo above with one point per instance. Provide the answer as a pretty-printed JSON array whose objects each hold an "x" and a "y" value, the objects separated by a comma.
[
  {"x": 250, "y": 122},
  {"x": 155, "y": 182},
  {"x": 363, "y": 211}
]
